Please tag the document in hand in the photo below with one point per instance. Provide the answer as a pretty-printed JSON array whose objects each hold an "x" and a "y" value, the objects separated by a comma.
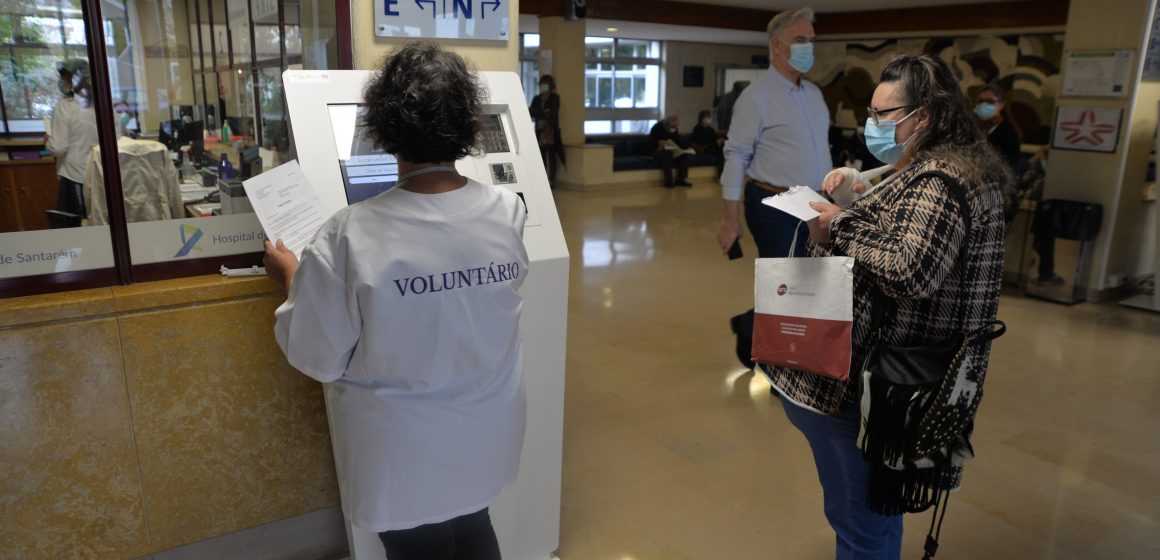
[
  {"x": 677, "y": 149},
  {"x": 286, "y": 205},
  {"x": 796, "y": 202}
]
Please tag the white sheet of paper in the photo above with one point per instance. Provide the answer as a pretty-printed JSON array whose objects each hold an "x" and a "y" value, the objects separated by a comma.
[
  {"x": 286, "y": 205},
  {"x": 796, "y": 202}
]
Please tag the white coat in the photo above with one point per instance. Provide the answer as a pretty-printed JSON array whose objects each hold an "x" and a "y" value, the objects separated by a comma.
[
  {"x": 148, "y": 182},
  {"x": 407, "y": 306}
]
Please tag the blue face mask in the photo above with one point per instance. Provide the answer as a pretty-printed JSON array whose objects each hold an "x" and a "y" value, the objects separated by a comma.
[
  {"x": 880, "y": 139},
  {"x": 986, "y": 111},
  {"x": 801, "y": 57}
]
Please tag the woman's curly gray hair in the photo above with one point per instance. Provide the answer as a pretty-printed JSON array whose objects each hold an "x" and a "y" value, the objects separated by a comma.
[{"x": 424, "y": 105}]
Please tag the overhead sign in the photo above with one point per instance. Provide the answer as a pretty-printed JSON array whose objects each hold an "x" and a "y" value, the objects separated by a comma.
[{"x": 486, "y": 20}]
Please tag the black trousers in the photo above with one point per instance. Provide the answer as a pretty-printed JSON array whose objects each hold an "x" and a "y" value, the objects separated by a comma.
[
  {"x": 467, "y": 537},
  {"x": 667, "y": 160},
  {"x": 70, "y": 197},
  {"x": 548, "y": 152}
]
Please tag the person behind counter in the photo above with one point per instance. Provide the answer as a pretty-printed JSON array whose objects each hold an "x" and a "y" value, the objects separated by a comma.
[
  {"x": 407, "y": 306},
  {"x": 73, "y": 132}
]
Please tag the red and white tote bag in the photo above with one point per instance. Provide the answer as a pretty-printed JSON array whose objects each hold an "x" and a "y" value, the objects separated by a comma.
[{"x": 804, "y": 314}]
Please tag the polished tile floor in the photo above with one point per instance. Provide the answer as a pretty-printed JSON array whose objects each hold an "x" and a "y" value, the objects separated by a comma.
[{"x": 673, "y": 451}]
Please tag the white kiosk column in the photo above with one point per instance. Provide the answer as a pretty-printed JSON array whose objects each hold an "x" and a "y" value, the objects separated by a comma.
[{"x": 527, "y": 514}]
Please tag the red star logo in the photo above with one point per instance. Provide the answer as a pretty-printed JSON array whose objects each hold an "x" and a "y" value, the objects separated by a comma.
[{"x": 1085, "y": 129}]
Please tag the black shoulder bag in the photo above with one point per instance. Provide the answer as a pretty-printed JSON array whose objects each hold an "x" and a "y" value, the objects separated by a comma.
[{"x": 918, "y": 405}]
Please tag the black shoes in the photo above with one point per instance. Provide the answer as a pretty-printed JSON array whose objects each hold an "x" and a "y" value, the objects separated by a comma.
[
  {"x": 1053, "y": 280},
  {"x": 683, "y": 183},
  {"x": 744, "y": 347}
]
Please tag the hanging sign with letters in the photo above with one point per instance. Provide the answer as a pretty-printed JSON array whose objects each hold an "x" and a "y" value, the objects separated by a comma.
[{"x": 486, "y": 20}]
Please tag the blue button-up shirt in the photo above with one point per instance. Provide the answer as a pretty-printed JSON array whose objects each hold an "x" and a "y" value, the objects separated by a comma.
[{"x": 778, "y": 135}]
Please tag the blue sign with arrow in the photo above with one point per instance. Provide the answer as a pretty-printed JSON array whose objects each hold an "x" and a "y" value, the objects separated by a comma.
[{"x": 487, "y": 20}]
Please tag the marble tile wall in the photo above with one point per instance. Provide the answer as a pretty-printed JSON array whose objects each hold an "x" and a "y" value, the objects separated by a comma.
[
  {"x": 139, "y": 419},
  {"x": 228, "y": 435},
  {"x": 68, "y": 476}
]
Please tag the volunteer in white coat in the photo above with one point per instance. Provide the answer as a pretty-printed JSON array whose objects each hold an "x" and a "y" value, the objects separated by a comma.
[{"x": 407, "y": 305}]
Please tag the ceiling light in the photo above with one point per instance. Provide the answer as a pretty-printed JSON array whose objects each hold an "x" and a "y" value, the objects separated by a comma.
[{"x": 614, "y": 29}]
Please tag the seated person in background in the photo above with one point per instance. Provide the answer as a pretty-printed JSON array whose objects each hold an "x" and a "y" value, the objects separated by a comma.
[
  {"x": 666, "y": 148},
  {"x": 706, "y": 140},
  {"x": 148, "y": 180}
]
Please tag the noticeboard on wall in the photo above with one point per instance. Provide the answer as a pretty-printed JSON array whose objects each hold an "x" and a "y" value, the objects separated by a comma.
[
  {"x": 483, "y": 20},
  {"x": 1152, "y": 52},
  {"x": 1087, "y": 129},
  {"x": 1097, "y": 74}
]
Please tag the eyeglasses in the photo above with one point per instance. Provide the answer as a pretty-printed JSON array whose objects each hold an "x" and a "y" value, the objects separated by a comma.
[{"x": 875, "y": 114}]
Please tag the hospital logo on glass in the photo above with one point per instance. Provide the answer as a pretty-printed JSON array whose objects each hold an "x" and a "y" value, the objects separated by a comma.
[{"x": 190, "y": 235}]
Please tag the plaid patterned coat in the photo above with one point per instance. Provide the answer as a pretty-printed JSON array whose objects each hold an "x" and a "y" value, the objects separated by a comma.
[{"x": 905, "y": 238}]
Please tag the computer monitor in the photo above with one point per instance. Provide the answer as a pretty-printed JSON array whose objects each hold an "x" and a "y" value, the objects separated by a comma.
[
  {"x": 170, "y": 134},
  {"x": 367, "y": 170},
  {"x": 251, "y": 162},
  {"x": 193, "y": 133}
]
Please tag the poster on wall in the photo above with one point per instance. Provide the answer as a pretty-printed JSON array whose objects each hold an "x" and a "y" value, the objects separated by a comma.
[
  {"x": 485, "y": 20},
  {"x": 1087, "y": 129},
  {"x": 1097, "y": 74},
  {"x": 1152, "y": 51}
]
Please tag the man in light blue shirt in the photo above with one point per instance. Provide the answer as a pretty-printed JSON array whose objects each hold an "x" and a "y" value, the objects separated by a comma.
[{"x": 778, "y": 138}]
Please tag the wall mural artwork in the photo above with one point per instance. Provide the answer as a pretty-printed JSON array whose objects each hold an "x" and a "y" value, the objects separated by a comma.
[{"x": 1027, "y": 65}]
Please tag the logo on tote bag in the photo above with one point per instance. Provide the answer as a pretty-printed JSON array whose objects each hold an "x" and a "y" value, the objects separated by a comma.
[{"x": 782, "y": 289}]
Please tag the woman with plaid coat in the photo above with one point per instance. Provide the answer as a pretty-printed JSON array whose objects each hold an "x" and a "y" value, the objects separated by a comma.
[{"x": 914, "y": 256}]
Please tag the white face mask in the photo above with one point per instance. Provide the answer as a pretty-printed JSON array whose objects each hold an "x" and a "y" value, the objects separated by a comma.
[{"x": 545, "y": 88}]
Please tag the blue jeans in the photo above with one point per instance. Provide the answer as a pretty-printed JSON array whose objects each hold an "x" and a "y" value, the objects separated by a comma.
[
  {"x": 772, "y": 229},
  {"x": 861, "y": 533}
]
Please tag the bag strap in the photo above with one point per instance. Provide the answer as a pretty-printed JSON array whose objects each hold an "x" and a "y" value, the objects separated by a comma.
[
  {"x": 986, "y": 333},
  {"x": 930, "y": 547}
]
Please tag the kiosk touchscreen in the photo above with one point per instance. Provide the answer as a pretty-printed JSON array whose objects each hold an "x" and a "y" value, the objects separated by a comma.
[
  {"x": 366, "y": 170},
  {"x": 344, "y": 168}
]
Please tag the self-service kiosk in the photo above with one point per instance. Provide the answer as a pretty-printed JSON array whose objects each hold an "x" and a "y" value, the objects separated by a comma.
[{"x": 344, "y": 168}]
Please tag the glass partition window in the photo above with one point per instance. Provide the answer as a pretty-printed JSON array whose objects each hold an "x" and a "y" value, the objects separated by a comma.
[
  {"x": 622, "y": 84},
  {"x": 206, "y": 78},
  {"x": 35, "y": 37},
  {"x": 50, "y": 135},
  {"x": 197, "y": 105}
]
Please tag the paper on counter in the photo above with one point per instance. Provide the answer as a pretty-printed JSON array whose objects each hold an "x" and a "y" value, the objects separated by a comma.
[
  {"x": 796, "y": 202},
  {"x": 286, "y": 205}
]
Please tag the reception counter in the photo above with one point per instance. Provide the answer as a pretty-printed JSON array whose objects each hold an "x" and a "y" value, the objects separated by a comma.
[{"x": 141, "y": 419}]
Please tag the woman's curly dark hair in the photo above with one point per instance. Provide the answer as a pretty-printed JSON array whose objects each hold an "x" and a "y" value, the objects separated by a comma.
[
  {"x": 927, "y": 82},
  {"x": 425, "y": 105}
]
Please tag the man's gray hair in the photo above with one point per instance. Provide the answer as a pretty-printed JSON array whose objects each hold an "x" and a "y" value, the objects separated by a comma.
[{"x": 788, "y": 18}]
